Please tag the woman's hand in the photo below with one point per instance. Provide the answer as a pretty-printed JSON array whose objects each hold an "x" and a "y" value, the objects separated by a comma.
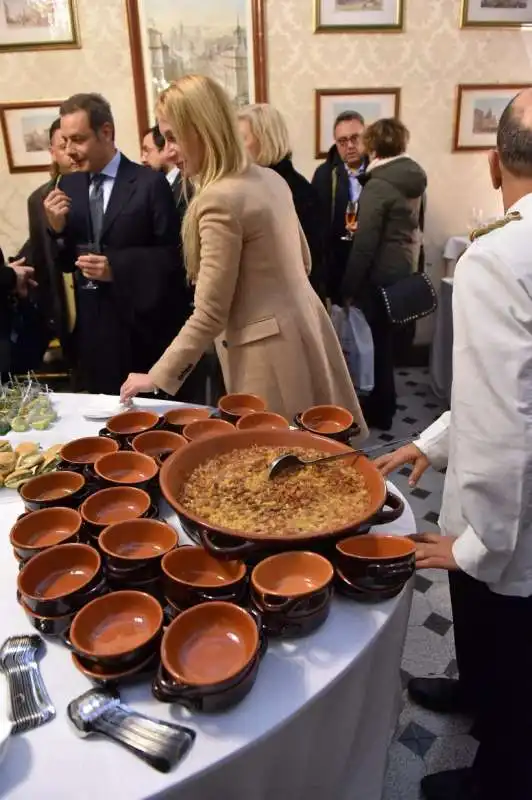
[
  {"x": 136, "y": 383},
  {"x": 410, "y": 454}
]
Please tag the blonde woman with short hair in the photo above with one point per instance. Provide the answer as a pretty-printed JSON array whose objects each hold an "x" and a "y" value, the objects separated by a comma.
[
  {"x": 246, "y": 254},
  {"x": 265, "y": 135}
]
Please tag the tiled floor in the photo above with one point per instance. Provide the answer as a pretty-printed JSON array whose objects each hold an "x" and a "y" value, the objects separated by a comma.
[{"x": 424, "y": 742}]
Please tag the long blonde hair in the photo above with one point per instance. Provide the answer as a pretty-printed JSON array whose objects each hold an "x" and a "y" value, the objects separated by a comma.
[
  {"x": 269, "y": 129},
  {"x": 198, "y": 103}
]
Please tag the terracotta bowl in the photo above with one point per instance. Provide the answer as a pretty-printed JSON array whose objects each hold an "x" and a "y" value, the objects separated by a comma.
[
  {"x": 262, "y": 420},
  {"x": 327, "y": 420},
  {"x": 126, "y": 468},
  {"x": 117, "y": 504},
  {"x": 130, "y": 423},
  {"x": 82, "y": 452},
  {"x": 375, "y": 561},
  {"x": 39, "y": 530},
  {"x": 191, "y": 576},
  {"x": 56, "y": 581},
  {"x": 291, "y": 574},
  {"x": 54, "y": 489},
  {"x": 105, "y": 674},
  {"x": 177, "y": 418},
  {"x": 117, "y": 630},
  {"x": 158, "y": 444},
  {"x": 209, "y": 644},
  {"x": 207, "y": 428},
  {"x": 48, "y": 626},
  {"x": 234, "y": 406},
  {"x": 137, "y": 542}
]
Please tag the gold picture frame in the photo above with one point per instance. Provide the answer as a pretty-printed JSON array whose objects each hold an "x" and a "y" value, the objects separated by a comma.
[
  {"x": 499, "y": 15},
  {"x": 369, "y": 16},
  {"x": 25, "y": 27},
  {"x": 25, "y": 128},
  {"x": 477, "y": 113}
]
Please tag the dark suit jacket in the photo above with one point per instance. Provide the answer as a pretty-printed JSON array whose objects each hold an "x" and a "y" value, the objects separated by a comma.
[
  {"x": 8, "y": 282},
  {"x": 126, "y": 324}
]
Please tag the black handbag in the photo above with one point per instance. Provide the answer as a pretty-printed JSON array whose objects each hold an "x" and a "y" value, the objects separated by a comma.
[{"x": 410, "y": 298}]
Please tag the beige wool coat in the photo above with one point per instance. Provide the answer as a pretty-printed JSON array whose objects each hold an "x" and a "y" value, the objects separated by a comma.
[{"x": 253, "y": 298}]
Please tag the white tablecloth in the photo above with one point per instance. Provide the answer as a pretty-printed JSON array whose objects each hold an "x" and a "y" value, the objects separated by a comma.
[{"x": 316, "y": 726}]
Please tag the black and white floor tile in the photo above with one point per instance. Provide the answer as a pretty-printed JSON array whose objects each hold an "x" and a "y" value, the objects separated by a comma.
[{"x": 424, "y": 742}]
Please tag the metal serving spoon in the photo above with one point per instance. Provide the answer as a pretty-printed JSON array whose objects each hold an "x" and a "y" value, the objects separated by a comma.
[{"x": 289, "y": 462}]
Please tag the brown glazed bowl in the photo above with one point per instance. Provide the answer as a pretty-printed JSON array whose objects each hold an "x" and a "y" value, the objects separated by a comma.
[
  {"x": 327, "y": 420},
  {"x": 58, "y": 580},
  {"x": 192, "y": 576},
  {"x": 118, "y": 630},
  {"x": 234, "y": 406},
  {"x": 54, "y": 489},
  {"x": 106, "y": 675},
  {"x": 158, "y": 444},
  {"x": 206, "y": 428},
  {"x": 80, "y": 453},
  {"x": 48, "y": 626},
  {"x": 178, "y": 418},
  {"x": 130, "y": 423},
  {"x": 209, "y": 644},
  {"x": 126, "y": 469},
  {"x": 137, "y": 543},
  {"x": 118, "y": 504},
  {"x": 262, "y": 420},
  {"x": 39, "y": 530},
  {"x": 375, "y": 561}
]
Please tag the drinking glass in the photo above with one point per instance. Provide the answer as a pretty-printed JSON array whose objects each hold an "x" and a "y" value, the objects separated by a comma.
[
  {"x": 350, "y": 221},
  {"x": 87, "y": 249}
]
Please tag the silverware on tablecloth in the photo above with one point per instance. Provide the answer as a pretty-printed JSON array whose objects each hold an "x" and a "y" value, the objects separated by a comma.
[
  {"x": 30, "y": 704},
  {"x": 289, "y": 462},
  {"x": 160, "y": 744}
]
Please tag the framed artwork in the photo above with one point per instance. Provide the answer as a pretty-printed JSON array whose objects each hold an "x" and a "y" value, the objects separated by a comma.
[
  {"x": 478, "y": 110},
  {"x": 38, "y": 25},
  {"x": 25, "y": 127},
  {"x": 372, "y": 104},
  {"x": 348, "y": 16},
  {"x": 224, "y": 39},
  {"x": 496, "y": 13}
]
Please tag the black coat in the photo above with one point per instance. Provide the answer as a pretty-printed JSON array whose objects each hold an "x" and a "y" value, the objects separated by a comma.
[
  {"x": 8, "y": 282},
  {"x": 125, "y": 325},
  {"x": 308, "y": 211}
]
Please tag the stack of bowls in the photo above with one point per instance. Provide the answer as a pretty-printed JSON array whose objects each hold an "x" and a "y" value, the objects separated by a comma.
[
  {"x": 123, "y": 427},
  {"x": 191, "y": 576},
  {"x": 234, "y": 406},
  {"x": 178, "y": 418},
  {"x": 117, "y": 637},
  {"x": 210, "y": 656},
  {"x": 206, "y": 428},
  {"x": 81, "y": 454},
  {"x": 37, "y": 531},
  {"x": 108, "y": 506},
  {"x": 158, "y": 444},
  {"x": 127, "y": 469},
  {"x": 333, "y": 422},
  {"x": 374, "y": 567},
  {"x": 132, "y": 552},
  {"x": 56, "y": 583},
  {"x": 53, "y": 489}
]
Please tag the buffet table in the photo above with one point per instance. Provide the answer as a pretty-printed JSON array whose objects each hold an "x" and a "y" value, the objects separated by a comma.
[{"x": 316, "y": 725}]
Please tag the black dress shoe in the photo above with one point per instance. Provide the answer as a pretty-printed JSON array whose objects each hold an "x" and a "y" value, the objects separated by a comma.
[
  {"x": 455, "y": 784},
  {"x": 442, "y": 695}
]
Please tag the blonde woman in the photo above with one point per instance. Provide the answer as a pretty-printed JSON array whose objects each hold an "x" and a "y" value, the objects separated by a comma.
[
  {"x": 267, "y": 141},
  {"x": 246, "y": 253}
]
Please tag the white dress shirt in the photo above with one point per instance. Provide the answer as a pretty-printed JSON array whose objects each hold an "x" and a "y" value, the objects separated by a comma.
[
  {"x": 171, "y": 176},
  {"x": 486, "y": 438},
  {"x": 109, "y": 173}
]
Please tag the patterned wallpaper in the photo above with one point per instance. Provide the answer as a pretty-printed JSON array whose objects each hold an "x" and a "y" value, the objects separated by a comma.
[{"x": 428, "y": 60}]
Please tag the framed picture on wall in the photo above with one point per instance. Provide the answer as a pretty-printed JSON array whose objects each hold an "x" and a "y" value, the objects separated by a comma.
[
  {"x": 372, "y": 104},
  {"x": 25, "y": 127},
  {"x": 496, "y": 13},
  {"x": 38, "y": 25},
  {"x": 478, "y": 110},
  {"x": 341, "y": 16},
  {"x": 224, "y": 39}
]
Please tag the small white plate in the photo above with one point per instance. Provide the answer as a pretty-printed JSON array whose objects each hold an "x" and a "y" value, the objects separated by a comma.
[{"x": 104, "y": 407}]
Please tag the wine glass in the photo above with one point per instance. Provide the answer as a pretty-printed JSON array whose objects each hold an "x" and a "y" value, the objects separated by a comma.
[
  {"x": 87, "y": 249},
  {"x": 350, "y": 221}
]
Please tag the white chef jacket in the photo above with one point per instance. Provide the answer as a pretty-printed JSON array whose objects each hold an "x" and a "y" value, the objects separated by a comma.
[{"x": 486, "y": 438}]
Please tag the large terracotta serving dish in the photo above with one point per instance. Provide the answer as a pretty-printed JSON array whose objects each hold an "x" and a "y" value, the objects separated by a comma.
[{"x": 227, "y": 543}]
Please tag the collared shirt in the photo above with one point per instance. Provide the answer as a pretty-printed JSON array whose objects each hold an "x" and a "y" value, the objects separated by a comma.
[
  {"x": 355, "y": 187},
  {"x": 172, "y": 176},
  {"x": 109, "y": 172},
  {"x": 486, "y": 438}
]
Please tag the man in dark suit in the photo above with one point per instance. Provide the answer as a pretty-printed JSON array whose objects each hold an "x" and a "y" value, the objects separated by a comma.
[
  {"x": 165, "y": 157},
  {"x": 117, "y": 230}
]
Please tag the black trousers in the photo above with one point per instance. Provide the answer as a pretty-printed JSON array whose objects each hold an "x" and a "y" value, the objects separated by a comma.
[
  {"x": 381, "y": 405},
  {"x": 493, "y": 637}
]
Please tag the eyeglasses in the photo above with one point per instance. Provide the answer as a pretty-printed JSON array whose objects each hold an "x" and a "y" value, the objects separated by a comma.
[{"x": 345, "y": 140}]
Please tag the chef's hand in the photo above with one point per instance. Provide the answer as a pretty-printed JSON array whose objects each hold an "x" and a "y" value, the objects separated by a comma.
[
  {"x": 135, "y": 384},
  {"x": 95, "y": 267},
  {"x": 24, "y": 276},
  {"x": 434, "y": 551},
  {"x": 56, "y": 208},
  {"x": 409, "y": 454}
]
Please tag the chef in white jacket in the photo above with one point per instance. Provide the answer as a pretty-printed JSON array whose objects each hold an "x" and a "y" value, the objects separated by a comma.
[{"x": 485, "y": 442}]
